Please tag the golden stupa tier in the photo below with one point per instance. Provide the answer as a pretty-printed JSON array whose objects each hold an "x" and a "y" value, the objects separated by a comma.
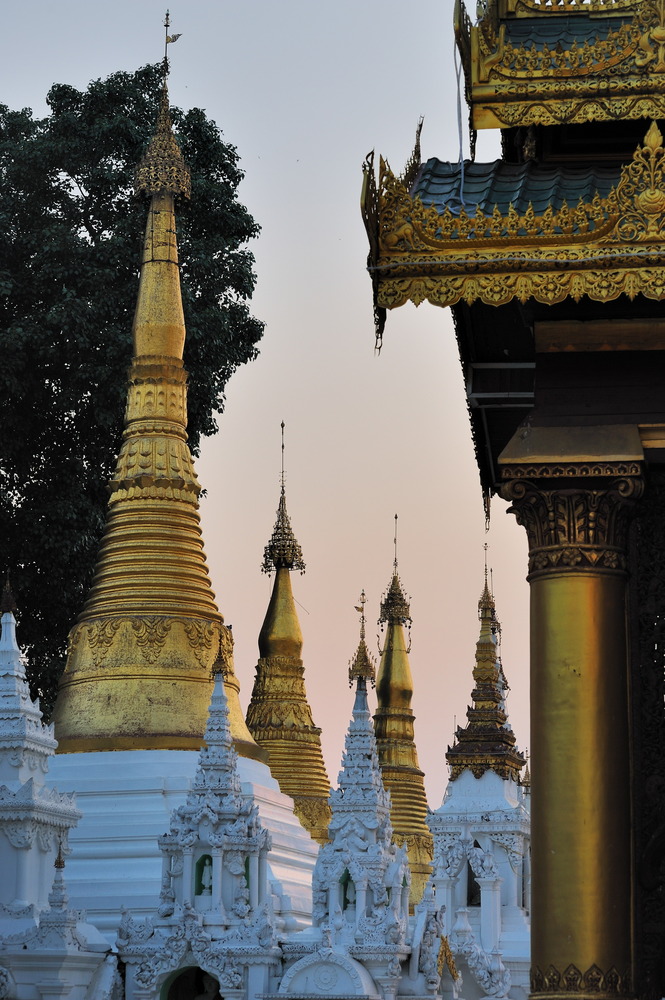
[
  {"x": 487, "y": 743},
  {"x": 394, "y": 729},
  {"x": 498, "y": 232},
  {"x": 279, "y": 716},
  {"x": 139, "y": 666},
  {"x": 534, "y": 62}
]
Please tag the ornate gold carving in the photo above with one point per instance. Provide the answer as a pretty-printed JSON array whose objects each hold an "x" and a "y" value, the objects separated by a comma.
[
  {"x": 200, "y": 635},
  {"x": 446, "y": 959},
  {"x": 520, "y": 62},
  {"x": 651, "y": 45},
  {"x": 101, "y": 633},
  {"x": 574, "y": 529},
  {"x": 163, "y": 168},
  {"x": 603, "y": 248},
  {"x": 406, "y": 224},
  {"x": 158, "y": 392},
  {"x": 531, "y": 7},
  {"x": 528, "y": 84},
  {"x": 152, "y": 462},
  {"x": 314, "y": 814},
  {"x": 642, "y": 183},
  {"x": 150, "y": 635},
  {"x": 74, "y": 638},
  {"x": 549, "y": 109},
  {"x": 572, "y": 980},
  {"x": 572, "y": 470}
]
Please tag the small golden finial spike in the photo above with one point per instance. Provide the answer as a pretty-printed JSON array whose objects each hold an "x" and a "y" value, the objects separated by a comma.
[
  {"x": 395, "y": 540},
  {"x": 283, "y": 550},
  {"x": 486, "y": 547}
]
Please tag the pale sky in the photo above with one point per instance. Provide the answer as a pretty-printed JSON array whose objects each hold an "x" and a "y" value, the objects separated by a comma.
[{"x": 304, "y": 89}]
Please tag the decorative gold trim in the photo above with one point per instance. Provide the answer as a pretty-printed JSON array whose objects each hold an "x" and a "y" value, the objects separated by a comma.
[
  {"x": 574, "y": 530},
  {"x": 571, "y": 981},
  {"x": 163, "y": 169},
  {"x": 572, "y": 470},
  {"x": 528, "y": 8},
  {"x": 525, "y": 85},
  {"x": 602, "y": 248}
]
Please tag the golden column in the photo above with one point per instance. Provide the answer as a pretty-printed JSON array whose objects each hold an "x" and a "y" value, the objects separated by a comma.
[
  {"x": 487, "y": 743},
  {"x": 576, "y": 512},
  {"x": 279, "y": 716},
  {"x": 138, "y": 672},
  {"x": 398, "y": 757}
]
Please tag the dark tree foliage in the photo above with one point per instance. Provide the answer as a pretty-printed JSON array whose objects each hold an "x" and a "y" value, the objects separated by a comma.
[{"x": 71, "y": 231}]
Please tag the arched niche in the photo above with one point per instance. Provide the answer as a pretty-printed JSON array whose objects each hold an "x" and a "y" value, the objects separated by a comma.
[
  {"x": 203, "y": 876},
  {"x": 348, "y": 889},
  {"x": 190, "y": 984}
]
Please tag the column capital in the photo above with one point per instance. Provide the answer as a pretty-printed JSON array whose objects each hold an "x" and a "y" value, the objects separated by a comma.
[{"x": 576, "y": 515}]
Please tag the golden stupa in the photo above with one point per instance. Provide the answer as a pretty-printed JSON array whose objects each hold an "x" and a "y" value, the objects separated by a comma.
[
  {"x": 279, "y": 716},
  {"x": 393, "y": 725},
  {"x": 138, "y": 673},
  {"x": 487, "y": 742}
]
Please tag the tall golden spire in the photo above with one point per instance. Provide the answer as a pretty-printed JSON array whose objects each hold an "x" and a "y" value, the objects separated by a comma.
[
  {"x": 138, "y": 673},
  {"x": 487, "y": 743},
  {"x": 393, "y": 724},
  {"x": 279, "y": 717}
]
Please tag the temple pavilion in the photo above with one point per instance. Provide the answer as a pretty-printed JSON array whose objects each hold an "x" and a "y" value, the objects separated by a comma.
[{"x": 552, "y": 259}]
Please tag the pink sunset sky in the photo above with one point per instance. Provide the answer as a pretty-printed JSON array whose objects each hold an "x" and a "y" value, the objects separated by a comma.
[{"x": 305, "y": 89}]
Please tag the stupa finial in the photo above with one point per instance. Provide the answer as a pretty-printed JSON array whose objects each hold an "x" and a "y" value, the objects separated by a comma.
[
  {"x": 361, "y": 667},
  {"x": 163, "y": 169},
  {"x": 487, "y": 742},
  {"x": 283, "y": 550},
  {"x": 7, "y": 602}
]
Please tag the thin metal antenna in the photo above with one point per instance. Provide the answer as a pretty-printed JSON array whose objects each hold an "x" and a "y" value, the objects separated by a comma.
[
  {"x": 168, "y": 40},
  {"x": 167, "y": 24},
  {"x": 395, "y": 540},
  {"x": 362, "y": 600},
  {"x": 282, "y": 475}
]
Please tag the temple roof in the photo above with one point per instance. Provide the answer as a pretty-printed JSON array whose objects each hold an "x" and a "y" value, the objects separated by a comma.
[
  {"x": 531, "y": 62},
  {"x": 500, "y": 184},
  {"x": 550, "y": 31},
  {"x": 548, "y": 237}
]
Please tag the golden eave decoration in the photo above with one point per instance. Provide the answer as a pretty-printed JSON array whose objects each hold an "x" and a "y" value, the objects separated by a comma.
[
  {"x": 603, "y": 248},
  {"x": 618, "y": 74}
]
